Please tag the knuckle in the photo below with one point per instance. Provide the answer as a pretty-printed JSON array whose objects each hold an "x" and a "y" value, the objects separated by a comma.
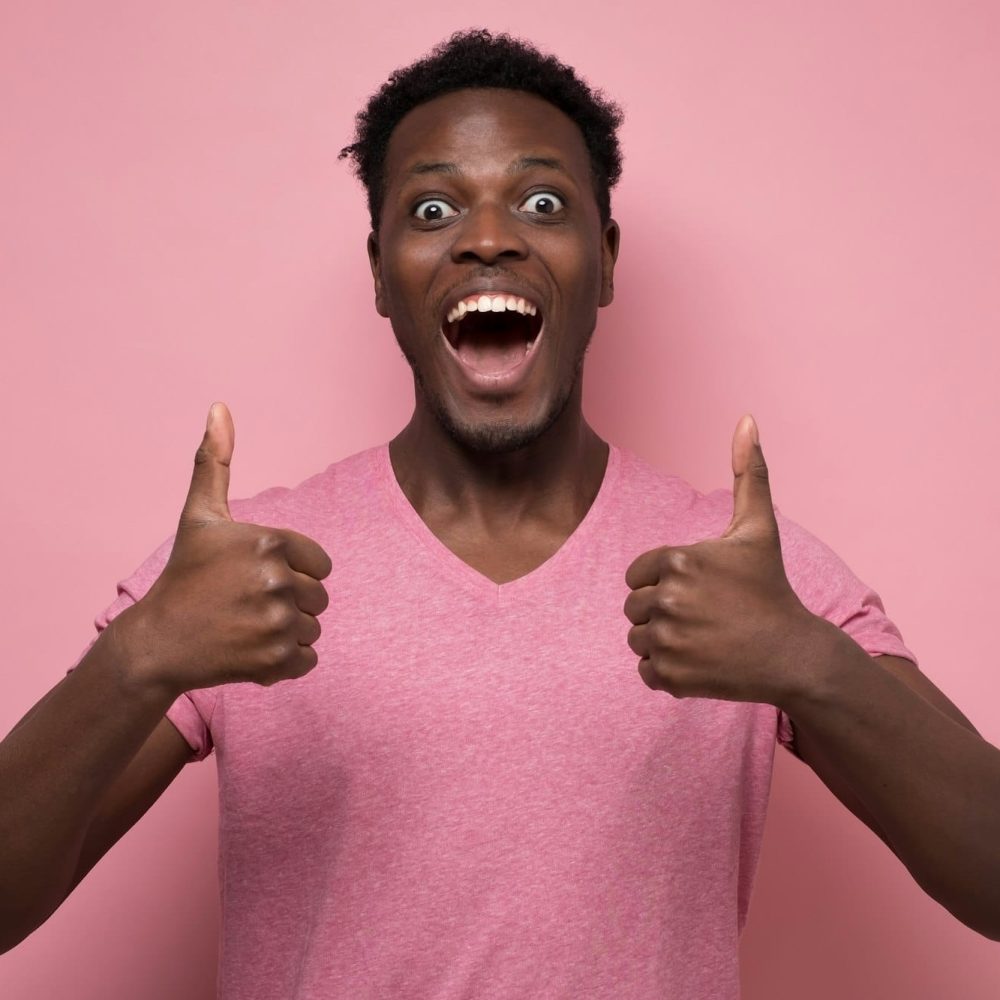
[
  {"x": 202, "y": 455},
  {"x": 663, "y": 670},
  {"x": 319, "y": 598},
  {"x": 269, "y": 543},
  {"x": 310, "y": 631},
  {"x": 326, "y": 563},
  {"x": 275, "y": 583},
  {"x": 665, "y": 601},
  {"x": 304, "y": 662},
  {"x": 629, "y": 607},
  {"x": 280, "y": 617},
  {"x": 278, "y": 653},
  {"x": 667, "y": 676},
  {"x": 633, "y": 640},
  {"x": 307, "y": 661},
  {"x": 678, "y": 560},
  {"x": 648, "y": 677},
  {"x": 663, "y": 635}
]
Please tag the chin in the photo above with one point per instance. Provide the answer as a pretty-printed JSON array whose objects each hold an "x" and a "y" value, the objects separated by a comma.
[
  {"x": 499, "y": 435},
  {"x": 494, "y": 437}
]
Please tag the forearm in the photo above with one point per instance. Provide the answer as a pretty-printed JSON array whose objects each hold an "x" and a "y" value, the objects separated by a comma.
[
  {"x": 55, "y": 767},
  {"x": 931, "y": 784}
]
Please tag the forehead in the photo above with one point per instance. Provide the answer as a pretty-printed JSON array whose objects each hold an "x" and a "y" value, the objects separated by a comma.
[{"x": 473, "y": 126}]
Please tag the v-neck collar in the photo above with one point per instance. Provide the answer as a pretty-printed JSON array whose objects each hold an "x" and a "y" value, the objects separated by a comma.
[{"x": 460, "y": 571}]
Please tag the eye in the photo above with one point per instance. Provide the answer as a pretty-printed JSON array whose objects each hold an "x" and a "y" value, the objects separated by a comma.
[
  {"x": 433, "y": 209},
  {"x": 543, "y": 203}
]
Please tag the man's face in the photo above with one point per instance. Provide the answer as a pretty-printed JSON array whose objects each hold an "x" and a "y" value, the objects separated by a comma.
[{"x": 489, "y": 204}]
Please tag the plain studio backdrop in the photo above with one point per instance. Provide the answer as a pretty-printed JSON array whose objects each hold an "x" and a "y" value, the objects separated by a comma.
[{"x": 810, "y": 222}]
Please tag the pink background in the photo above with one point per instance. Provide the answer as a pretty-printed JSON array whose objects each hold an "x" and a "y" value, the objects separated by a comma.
[{"x": 810, "y": 231}]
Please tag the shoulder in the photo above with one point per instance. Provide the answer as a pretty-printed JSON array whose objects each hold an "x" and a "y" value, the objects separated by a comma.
[
  {"x": 675, "y": 510},
  {"x": 320, "y": 498},
  {"x": 323, "y": 504},
  {"x": 684, "y": 515},
  {"x": 822, "y": 579}
]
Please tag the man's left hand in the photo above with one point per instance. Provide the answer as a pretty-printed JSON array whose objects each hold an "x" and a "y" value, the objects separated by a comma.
[{"x": 719, "y": 619}]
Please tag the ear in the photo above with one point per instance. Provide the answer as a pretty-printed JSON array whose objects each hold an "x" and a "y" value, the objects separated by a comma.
[
  {"x": 376, "y": 265},
  {"x": 610, "y": 241}
]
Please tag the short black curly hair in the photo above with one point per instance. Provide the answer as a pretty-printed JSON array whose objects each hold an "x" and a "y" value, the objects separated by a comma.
[{"x": 477, "y": 58}]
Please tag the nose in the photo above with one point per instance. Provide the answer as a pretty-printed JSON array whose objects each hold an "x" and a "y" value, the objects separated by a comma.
[{"x": 488, "y": 233}]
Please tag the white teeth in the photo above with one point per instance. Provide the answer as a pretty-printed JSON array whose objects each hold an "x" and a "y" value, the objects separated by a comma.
[{"x": 491, "y": 303}]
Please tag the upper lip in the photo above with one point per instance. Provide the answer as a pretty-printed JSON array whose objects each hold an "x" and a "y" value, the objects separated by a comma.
[{"x": 491, "y": 287}]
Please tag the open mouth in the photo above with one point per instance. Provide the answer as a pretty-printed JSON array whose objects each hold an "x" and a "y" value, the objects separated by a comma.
[{"x": 492, "y": 334}]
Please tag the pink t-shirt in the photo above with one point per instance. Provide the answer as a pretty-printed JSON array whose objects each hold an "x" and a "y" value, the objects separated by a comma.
[{"x": 474, "y": 795}]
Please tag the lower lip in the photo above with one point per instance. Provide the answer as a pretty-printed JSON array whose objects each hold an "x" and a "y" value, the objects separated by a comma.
[{"x": 497, "y": 382}]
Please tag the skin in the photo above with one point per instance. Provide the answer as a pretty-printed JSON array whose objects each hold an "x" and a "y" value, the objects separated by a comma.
[
  {"x": 235, "y": 602},
  {"x": 718, "y": 619},
  {"x": 502, "y": 479}
]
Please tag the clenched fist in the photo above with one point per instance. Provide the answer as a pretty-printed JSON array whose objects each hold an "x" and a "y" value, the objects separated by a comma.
[
  {"x": 235, "y": 602},
  {"x": 719, "y": 619}
]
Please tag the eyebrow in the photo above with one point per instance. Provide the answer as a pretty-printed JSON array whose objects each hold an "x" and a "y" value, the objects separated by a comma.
[
  {"x": 518, "y": 166},
  {"x": 433, "y": 168},
  {"x": 527, "y": 162}
]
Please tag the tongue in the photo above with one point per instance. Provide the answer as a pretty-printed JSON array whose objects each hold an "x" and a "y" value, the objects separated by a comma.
[{"x": 493, "y": 353}]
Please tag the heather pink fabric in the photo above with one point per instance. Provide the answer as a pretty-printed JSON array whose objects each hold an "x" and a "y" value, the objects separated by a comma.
[{"x": 474, "y": 795}]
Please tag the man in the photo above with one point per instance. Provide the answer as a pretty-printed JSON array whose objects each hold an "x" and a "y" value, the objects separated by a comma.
[{"x": 460, "y": 787}]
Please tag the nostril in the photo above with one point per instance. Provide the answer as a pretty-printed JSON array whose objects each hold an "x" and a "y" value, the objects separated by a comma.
[
  {"x": 479, "y": 238},
  {"x": 488, "y": 254}
]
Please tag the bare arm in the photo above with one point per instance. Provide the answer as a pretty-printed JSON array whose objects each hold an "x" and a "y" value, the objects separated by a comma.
[
  {"x": 235, "y": 602},
  {"x": 812, "y": 753},
  {"x": 75, "y": 774},
  {"x": 719, "y": 619},
  {"x": 895, "y": 750}
]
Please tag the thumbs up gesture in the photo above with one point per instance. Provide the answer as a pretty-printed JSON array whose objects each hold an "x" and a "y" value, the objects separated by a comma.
[
  {"x": 235, "y": 602},
  {"x": 719, "y": 619}
]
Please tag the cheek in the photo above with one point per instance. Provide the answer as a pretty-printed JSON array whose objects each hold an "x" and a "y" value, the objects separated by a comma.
[
  {"x": 581, "y": 298},
  {"x": 402, "y": 288},
  {"x": 576, "y": 265},
  {"x": 407, "y": 273}
]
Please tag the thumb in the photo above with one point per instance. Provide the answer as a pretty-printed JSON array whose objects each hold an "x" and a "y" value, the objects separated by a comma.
[
  {"x": 208, "y": 496},
  {"x": 752, "y": 505}
]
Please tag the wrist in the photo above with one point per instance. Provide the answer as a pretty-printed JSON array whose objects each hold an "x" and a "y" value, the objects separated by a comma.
[
  {"x": 820, "y": 658},
  {"x": 132, "y": 646}
]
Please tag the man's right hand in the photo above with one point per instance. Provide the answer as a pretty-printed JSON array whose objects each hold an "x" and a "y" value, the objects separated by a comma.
[{"x": 235, "y": 602}]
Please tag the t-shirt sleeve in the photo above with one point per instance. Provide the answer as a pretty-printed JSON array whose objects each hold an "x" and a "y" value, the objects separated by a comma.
[
  {"x": 191, "y": 713},
  {"x": 827, "y": 587}
]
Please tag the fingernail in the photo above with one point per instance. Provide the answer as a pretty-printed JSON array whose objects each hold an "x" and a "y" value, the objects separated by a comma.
[{"x": 754, "y": 434}]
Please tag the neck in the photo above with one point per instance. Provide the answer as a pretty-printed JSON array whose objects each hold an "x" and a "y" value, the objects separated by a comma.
[{"x": 554, "y": 479}]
